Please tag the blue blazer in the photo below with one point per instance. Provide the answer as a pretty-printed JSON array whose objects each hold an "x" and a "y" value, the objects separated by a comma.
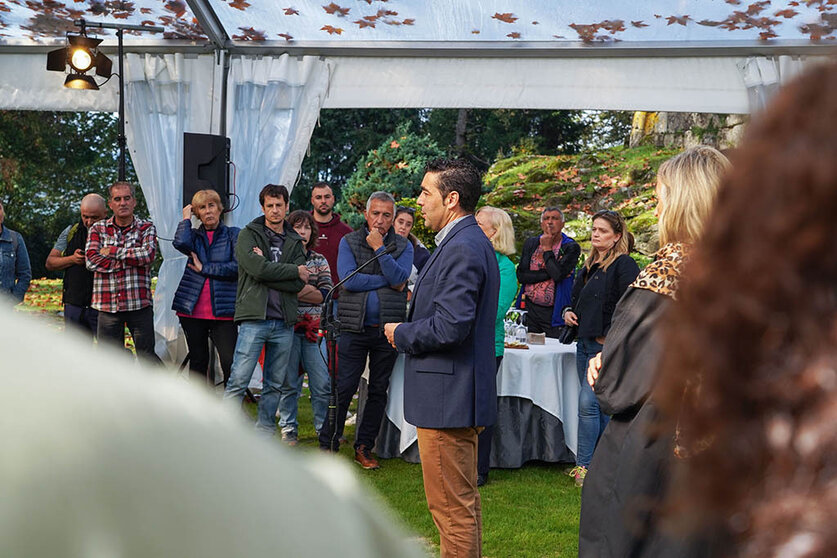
[
  {"x": 448, "y": 338},
  {"x": 219, "y": 266}
]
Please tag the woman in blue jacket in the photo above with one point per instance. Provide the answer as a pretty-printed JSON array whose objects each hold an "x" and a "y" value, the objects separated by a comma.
[
  {"x": 599, "y": 285},
  {"x": 205, "y": 299}
]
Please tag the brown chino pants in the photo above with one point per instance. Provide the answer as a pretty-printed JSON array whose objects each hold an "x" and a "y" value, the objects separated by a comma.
[{"x": 449, "y": 469}]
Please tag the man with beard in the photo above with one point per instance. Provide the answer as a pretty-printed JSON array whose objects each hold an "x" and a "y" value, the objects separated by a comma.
[
  {"x": 68, "y": 255},
  {"x": 332, "y": 229}
]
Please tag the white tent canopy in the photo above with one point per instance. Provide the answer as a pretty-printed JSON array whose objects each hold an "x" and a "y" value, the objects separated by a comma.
[{"x": 259, "y": 71}]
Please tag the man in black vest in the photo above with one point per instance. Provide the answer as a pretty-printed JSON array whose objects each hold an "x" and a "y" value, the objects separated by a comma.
[
  {"x": 68, "y": 255},
  {"x": 368, "y": 300}
]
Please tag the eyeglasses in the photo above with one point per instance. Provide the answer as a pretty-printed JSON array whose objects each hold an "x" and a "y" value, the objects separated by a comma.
[{"x": 404, "y": 208}]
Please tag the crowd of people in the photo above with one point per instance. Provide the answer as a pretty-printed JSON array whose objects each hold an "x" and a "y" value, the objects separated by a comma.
[{"x": 706, "y": 406}]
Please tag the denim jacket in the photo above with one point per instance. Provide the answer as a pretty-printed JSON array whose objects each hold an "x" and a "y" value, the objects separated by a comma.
[{"x": 15, "y": 271}]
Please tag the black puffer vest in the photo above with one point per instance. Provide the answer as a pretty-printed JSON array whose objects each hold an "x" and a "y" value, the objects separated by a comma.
[
  {"x": 351, "y": 311},
  {"x": 78, "y": 281}
]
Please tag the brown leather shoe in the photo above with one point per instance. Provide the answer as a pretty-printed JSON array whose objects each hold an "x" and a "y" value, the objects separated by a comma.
[{"x": 365, "y": 459}]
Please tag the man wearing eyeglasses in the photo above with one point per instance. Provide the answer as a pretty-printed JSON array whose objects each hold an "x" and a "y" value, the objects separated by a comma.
[{"x": 545, "y": 271}]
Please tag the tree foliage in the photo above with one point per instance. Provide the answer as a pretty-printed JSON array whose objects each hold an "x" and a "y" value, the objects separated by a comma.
[
  {"x": 48, "y": 162},
  {"x": 395, "y": 166},
  {"x": 493, "y": 134},
  {"x": 342, "y": 137}
]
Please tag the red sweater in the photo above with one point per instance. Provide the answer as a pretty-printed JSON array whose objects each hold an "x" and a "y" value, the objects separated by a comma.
[{"x": 329, "y": 241}]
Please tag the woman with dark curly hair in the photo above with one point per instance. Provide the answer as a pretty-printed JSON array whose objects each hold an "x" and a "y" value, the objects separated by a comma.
[
  {"x": 627, "y": 478},
  {"x": 751, "y": 384}
]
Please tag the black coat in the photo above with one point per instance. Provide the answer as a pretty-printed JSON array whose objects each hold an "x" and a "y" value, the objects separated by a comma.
[
  {"x": 596, "y": 292},
  {"x": 628, "y": 477},
  {"x": 557, "y": 268}
]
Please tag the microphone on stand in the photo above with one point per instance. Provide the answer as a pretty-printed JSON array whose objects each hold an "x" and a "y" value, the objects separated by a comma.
[{"x": 329, "y": 327}]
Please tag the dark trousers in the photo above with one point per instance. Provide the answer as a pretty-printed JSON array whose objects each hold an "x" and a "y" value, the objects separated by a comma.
[
  {"x": 539, "y": 319},
  {"x": 484, "y": 440},
  {"x": 140, "y": 323},
  {"x": 81, "y": 319},
  {"x": 352, "y": 350},
  {"x": 223, "y": 333}
]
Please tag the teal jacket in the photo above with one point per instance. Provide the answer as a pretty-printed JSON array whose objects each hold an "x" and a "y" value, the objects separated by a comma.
[
  {"x": 256, "y": 274},
  {"x": 508, "y": 292}
]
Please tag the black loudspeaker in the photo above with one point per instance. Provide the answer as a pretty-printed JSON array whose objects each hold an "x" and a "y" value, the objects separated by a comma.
[{"x": 206, "y": 166}]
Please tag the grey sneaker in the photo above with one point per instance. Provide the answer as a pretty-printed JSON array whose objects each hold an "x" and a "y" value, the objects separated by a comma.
[{"x": 290, "y": 437}]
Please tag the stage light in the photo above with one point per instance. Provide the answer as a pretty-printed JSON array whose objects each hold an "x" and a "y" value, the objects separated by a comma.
[
  {"x": 80, "y": 60},
  {"x": 80, "y": 81},
  {"x": 81, "y": 55}
]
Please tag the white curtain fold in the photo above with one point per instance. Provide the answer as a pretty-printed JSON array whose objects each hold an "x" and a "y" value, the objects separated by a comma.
[
  {"x": 272, "y": 107},
  {"x": 165, "y": 96},
  {"x": 763, "y": 77}
]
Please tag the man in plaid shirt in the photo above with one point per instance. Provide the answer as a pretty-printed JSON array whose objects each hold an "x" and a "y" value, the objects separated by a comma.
[{"x": 119, "y": 252}]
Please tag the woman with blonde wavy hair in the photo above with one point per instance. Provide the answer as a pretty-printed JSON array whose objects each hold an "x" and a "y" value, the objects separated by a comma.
[
  {"x": 497, "y": 226},
  {"x": 628, "y": 476},
  {"x": 598, "y": 286}
]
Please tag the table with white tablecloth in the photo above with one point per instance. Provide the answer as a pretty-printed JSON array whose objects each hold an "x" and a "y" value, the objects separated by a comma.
[{"x": 537, "y": 419}]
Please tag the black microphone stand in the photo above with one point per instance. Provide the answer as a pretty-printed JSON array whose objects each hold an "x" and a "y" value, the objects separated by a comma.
[{"x": 330, "y": 330}]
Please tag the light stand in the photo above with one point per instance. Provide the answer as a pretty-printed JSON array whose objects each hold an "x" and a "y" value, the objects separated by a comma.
[
  {"x": 58, "y": 60},
  {"x": 120, "y": 53}
]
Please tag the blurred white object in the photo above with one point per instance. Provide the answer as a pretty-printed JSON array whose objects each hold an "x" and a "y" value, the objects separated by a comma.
[{"x": 102, "y": 458}]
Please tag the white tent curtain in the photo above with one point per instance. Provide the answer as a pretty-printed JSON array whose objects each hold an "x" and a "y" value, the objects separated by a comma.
[
  {"x": 165, "y": 96},
  {"x": 272, "y": 108},
  {"x": 763, "y": 76}
]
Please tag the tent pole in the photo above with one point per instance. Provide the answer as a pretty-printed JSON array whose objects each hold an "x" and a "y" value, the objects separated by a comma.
[{"x": 120, "y": 138}]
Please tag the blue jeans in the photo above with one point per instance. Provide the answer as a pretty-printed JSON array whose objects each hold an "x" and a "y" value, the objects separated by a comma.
[
  {"x": 591, "y": 421},
  {"x": 315, "y": 366},
  {"x": 276, "y": 338}
]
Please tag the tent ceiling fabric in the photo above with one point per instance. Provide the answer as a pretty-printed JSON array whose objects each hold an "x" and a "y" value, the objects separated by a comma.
[{"x": 248, "y": 24}]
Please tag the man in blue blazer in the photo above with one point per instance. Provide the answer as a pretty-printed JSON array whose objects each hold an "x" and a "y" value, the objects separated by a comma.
[{"x": 450, "y": 390}]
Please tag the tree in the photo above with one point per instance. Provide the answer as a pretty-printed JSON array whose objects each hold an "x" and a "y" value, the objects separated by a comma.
[
  {"x": 48, "y": 162},
  {"x": 342, "y": 137},
  {"x": 486, "y": 135},
  {"x": 395, "y": 166}
]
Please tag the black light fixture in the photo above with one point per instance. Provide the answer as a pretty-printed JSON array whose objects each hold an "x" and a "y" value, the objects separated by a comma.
[{"x": 82, "y": 54}]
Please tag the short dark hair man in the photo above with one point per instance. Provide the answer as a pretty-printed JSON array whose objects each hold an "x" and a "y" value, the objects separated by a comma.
[
  {"x": 68, "y": 255},
  {"x": 119, "y": 252},
  {"x": 450, "y": 389},
  {"x": 368, "y": 300},
  {"x": 15, "y": 271},
  {"x": 546, "y": 267},
  {"x": 271, "y": 271},
  {"x": 332, "y": 229}
]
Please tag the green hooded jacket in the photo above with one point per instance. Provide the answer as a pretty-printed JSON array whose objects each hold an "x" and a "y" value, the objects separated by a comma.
[{"x": 256, "y": 274}]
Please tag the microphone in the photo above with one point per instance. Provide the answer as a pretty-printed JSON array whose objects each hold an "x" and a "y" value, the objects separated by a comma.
[{"x": 391, "y": 247}]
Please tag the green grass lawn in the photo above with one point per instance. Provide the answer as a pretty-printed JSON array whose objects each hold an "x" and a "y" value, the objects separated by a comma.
[{"x": 527, "y": 512}]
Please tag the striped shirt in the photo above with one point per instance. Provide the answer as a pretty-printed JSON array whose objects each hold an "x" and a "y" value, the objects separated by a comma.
[
  {"x": 320, "y": 277},
  {"x": 122, "y": 281}
]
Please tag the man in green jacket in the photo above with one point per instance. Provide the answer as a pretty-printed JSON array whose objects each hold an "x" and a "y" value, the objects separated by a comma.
[{"x": 271, "y": 271}]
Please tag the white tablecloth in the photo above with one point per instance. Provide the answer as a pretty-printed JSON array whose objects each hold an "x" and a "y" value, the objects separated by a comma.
[{"x": 543, "y": 374}]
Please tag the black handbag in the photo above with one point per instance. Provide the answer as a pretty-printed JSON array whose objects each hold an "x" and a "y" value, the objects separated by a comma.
[{"x": 567, "y": 334}]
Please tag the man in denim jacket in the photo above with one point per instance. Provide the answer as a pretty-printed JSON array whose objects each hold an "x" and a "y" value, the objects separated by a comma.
[{"x": 15, "y": 271}]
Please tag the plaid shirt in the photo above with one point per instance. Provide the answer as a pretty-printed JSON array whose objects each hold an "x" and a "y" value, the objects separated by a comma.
[{"x": 121, "y": 282}]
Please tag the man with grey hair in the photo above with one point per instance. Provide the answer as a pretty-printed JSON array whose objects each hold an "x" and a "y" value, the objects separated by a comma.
[
  {"x": 546, "y": 269},
  {"x": 68, "y": 256},
  {"x": 119, "y": 252},
  {"x": 368, "y": 300}
]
